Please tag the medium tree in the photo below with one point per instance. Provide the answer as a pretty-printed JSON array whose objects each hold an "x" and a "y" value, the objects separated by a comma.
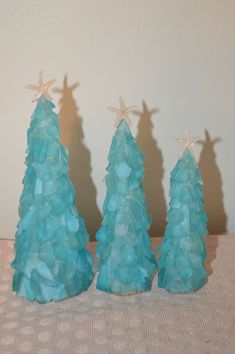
[{"x": 127, "y": 263}]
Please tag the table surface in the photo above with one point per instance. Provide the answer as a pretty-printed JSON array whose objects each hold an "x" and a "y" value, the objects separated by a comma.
[{"x": 153, "y": 322}]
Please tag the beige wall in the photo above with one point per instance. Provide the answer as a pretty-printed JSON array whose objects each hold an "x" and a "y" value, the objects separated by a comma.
[{"x": 177, "y": 57}]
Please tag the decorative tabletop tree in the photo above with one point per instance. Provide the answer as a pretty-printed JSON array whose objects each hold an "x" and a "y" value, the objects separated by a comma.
[
  {"x": 183, "y": 250},
  {"x": 127, "y": 263},
  {"x": 51, "y": 262}
]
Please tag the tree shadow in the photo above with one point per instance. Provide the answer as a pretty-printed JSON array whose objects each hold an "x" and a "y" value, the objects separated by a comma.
[
  {"x": 72, "y": 137},
  {"x": 212, "y": 187},
  {"x": 154, "y": 171}
]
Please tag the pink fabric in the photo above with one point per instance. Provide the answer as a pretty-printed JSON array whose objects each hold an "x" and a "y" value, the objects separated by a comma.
[{"x": 154, "y": 322}]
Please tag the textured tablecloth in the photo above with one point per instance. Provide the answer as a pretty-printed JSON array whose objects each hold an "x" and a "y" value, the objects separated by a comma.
[{"x": 154, "y": 322}]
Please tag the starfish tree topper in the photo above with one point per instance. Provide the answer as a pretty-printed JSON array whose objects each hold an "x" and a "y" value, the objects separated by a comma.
[
  {"x": 122, "y": 113},
  {"x": 41, "y": 88},
  {"x": 187, "y": 142}
]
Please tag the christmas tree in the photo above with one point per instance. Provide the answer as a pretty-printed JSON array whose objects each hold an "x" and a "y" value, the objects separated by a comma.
[
  {"x": 51, "y": 262},
  {"x": 183, "y": 250},
  {"x": 127, "y": 263}
]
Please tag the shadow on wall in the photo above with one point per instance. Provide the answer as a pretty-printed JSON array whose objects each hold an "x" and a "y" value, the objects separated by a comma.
[
  {"x": 153, "y": 163},
  {"x": 213, "y": 192},
  {"x": 72, "y": 137}
]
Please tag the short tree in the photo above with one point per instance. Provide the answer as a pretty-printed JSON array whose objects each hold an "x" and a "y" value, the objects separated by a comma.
[{"x": 183, "y": 250}]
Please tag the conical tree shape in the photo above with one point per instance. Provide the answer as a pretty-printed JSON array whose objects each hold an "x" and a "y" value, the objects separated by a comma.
[
  {"x": 51, "y": 262},
  {"x": 183, "y": 250},
  {"x": 127, "y": 263}
]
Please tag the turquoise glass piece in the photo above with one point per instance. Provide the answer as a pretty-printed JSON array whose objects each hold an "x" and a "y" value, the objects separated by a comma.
[
  {"x": 51, "y": 261},
  {"x": 126, "y": 261},
  {"x": 183, "y": 250}
]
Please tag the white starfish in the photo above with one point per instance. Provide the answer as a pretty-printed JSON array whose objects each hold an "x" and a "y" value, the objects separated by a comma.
[
  {"x": 187, "y": 142},
  {"x": 122, "y": 112},
  {"x": 41, "y": 88}
]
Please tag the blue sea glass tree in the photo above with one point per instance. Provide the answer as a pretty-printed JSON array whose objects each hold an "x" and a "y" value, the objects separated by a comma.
[
  {"x": 183, "y": 250},
  {"x": 51, "y": 261},
  {"x": 126, "y": 261}
]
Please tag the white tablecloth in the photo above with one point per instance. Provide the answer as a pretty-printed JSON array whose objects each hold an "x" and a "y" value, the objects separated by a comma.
[{"x": 154, "y": 322}]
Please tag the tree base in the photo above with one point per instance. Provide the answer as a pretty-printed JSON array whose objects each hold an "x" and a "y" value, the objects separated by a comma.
[
  {"x": 143, "y": 288},
  {"x": 41, "y": 302},
  {"x": 131, "y": 293},
  {"x": 41, "y": 292},
  {"x": 185, "y": 291}
]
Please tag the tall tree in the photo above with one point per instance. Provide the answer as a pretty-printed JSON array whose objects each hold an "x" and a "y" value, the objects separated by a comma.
[{"x": 51, "y": 261}]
